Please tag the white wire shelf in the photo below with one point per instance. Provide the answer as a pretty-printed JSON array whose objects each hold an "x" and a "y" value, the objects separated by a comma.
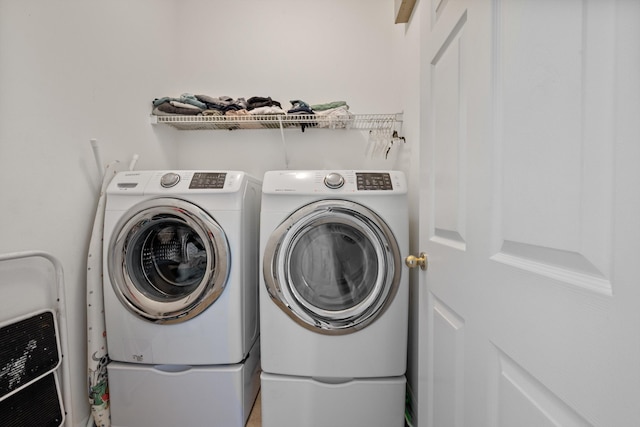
[{"x": 352, "y": 121}]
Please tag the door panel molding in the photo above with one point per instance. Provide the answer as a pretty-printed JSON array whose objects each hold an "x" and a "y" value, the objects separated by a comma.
[
  {"x": 559, "y": 130},
  {"x": 447, "y": 373},
  {"x": 524, "y": 401},
  {"x": 448, "y": 124},
  {"x": 437, "y": 9},
  {"x": 538, "y": 260}
]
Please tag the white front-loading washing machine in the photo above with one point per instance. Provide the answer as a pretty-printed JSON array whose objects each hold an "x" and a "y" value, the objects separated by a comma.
[
  {"x": 181, "y": 293},
  {"x": 333, "y": 298}
]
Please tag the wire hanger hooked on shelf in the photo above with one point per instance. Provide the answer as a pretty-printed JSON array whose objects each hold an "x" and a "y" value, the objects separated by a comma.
[
  {"x": 381, "y": 142},
  {"x": 394, "y": 138}
]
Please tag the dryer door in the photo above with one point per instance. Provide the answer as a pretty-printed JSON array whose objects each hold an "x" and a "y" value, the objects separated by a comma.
[
  {"x": 168, "y": 260},
  {"x": 333, "y": 266}
]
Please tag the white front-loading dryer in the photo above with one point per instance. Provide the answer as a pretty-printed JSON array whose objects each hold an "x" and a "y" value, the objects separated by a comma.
[
  {"x": 333, "y": 298},
  {"x": 180, "y": 266}
]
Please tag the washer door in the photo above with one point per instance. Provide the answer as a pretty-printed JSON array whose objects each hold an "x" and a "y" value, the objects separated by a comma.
[
  {"x": 168, "y": 260},
  {"x": 333, "y": 266}
]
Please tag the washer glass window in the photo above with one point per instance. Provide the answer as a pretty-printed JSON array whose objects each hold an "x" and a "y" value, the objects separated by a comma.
[{"x": 168, "y": 260}]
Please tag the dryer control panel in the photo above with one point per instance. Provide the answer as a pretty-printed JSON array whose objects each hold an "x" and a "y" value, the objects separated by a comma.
[
  {"x": 374, "y": 181},
  {"x": 334, "y": 182},
  {"x": 364, "y": 181}
]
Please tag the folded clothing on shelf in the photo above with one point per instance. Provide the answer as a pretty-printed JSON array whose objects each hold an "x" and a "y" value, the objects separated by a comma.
[{"x": 255, "y": 111}]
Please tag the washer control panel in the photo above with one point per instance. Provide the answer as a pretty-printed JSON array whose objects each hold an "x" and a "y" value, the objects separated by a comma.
[
  {"x": 209, "y": 180},
  {"x": 177, "y": 182}
]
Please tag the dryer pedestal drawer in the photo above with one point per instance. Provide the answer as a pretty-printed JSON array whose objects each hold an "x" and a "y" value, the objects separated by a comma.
[
  {"x": 175, "y": 395},
  {"x": 306, "y": 402}
]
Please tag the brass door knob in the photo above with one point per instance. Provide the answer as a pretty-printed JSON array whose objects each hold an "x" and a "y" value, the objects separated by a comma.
[{"x": 415, "y": 261}]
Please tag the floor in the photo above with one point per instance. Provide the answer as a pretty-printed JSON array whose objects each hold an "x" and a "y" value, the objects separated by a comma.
[{"x": 255, "y": 419}]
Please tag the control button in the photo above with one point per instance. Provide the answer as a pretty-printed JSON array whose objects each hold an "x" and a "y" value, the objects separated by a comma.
[
  {"x": 170, "y": 179},
  {"x": 334, "y": 180}
]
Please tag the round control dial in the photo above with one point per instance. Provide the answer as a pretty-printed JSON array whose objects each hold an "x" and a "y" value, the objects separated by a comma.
[
  {"x": 334, "y": 180},
  {"x": 170, "y": 179}
]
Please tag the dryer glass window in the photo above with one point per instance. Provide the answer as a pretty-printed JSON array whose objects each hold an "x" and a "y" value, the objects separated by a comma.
[
  {"x": 333, "y": 266},
  {"x": 167, "y": 259}
]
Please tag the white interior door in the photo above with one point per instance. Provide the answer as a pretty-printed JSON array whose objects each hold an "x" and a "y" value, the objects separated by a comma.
[{"x": 530, "y": 213}]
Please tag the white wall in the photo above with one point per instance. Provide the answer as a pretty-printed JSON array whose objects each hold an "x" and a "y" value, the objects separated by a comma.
[
  {"x": 72, "y": 70},
  {"x": 287, "y": 49}
]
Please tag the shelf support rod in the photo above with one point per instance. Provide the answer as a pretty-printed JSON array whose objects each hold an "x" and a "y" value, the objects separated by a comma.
[{"x": 284, "y": 143}]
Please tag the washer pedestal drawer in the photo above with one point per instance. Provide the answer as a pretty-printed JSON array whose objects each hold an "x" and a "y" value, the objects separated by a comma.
[{"x": 182, "y": 395}]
